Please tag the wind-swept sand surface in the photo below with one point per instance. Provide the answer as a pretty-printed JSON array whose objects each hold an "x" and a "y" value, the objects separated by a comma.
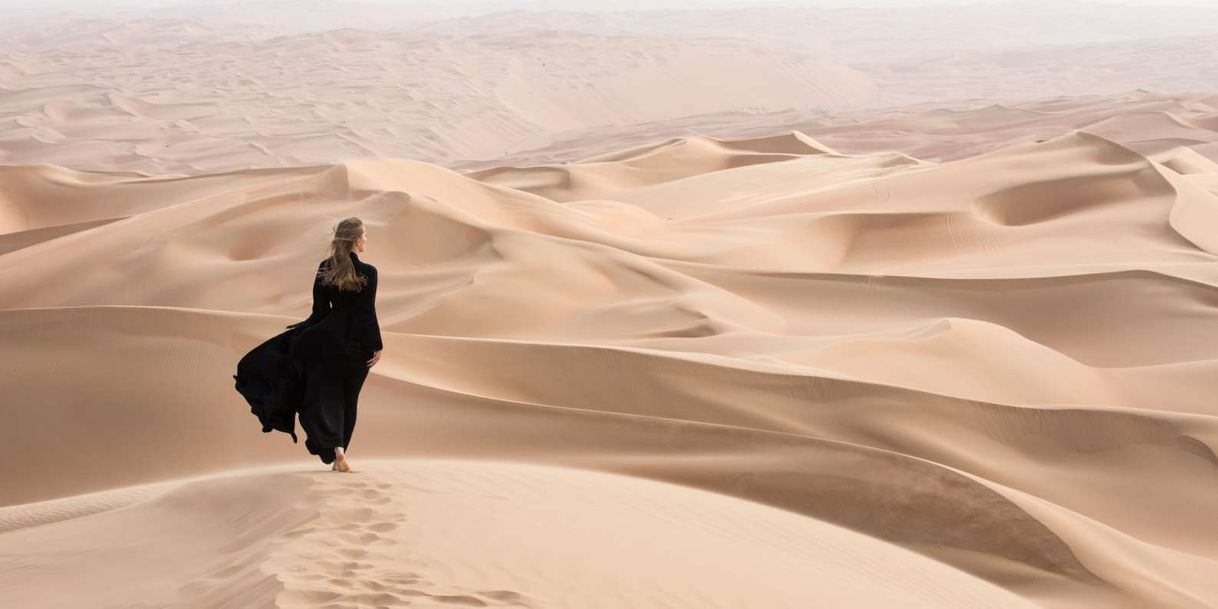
[
  {"x": 428, "y": 533},
  {"x": 985, "y": 381}
]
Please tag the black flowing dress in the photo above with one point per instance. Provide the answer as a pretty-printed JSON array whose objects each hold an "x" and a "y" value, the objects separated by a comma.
[{"x": 316, "y": 368}]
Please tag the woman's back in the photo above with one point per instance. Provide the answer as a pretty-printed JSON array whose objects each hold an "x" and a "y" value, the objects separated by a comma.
[{"x": 358, "y": 306}]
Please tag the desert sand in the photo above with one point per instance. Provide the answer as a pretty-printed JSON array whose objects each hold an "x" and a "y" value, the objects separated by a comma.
[
  {"x": 209, "y": 87},
  {"x": 924, "y": 355}
]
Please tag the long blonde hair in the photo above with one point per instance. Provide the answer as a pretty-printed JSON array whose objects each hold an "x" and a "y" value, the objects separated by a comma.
[{"x": 341, "y": 270}]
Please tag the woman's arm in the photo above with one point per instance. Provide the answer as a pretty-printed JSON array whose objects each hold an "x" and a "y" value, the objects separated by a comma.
[
  {"x": 376, "y": 326},
  {"x": 321, "y": 303}
]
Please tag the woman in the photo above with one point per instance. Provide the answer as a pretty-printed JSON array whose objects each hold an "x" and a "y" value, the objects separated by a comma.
[{"x": 318, "y": 367}]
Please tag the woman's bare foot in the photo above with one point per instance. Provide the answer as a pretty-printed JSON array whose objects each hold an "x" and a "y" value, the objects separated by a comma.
[{"x": 340, "y": 460}]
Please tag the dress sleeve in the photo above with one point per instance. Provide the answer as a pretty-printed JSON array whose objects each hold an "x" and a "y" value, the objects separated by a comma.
[
  {"x": 321, "y": 302},
  {"x": 377, "y": 345}
]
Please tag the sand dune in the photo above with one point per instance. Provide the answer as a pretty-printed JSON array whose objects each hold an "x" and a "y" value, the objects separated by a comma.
[
  {"x": 977, "y": 381},
  {"x": 218, "y": 86},
  {"x": 213, "y": 101},
  {"x": 934, "y": 131},
  {"x": 906, "y": 32},
  {"x": 470, "y": 533}
]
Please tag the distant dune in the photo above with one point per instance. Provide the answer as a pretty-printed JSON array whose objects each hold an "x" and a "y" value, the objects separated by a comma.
[
  {"x": 215, "y": 104},
  {"x": 216, "y": 87}
]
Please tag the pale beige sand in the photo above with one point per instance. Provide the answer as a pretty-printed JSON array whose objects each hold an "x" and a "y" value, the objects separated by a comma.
[
  {"x": 1155, "y": 124},
  {"x": 220, "y": 86},
  {"x": 1003, "y": 363},
  {"x": 438, "y": 533},
  {"x": 207, "y": 102}
]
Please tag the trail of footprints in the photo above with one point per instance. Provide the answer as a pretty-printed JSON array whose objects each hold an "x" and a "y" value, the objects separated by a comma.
[{"x": 351, "y": 556}]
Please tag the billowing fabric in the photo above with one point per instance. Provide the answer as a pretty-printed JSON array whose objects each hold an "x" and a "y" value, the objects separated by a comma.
[{"x": 316, "y": 368}]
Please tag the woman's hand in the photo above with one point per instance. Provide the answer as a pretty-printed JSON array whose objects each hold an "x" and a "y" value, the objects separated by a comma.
[{"x": 376, "y": 357}]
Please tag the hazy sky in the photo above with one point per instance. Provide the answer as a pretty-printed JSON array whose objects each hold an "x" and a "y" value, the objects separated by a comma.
[
  {"x": 19, "y": 11},
  {"x": 594, "y": 4}
]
